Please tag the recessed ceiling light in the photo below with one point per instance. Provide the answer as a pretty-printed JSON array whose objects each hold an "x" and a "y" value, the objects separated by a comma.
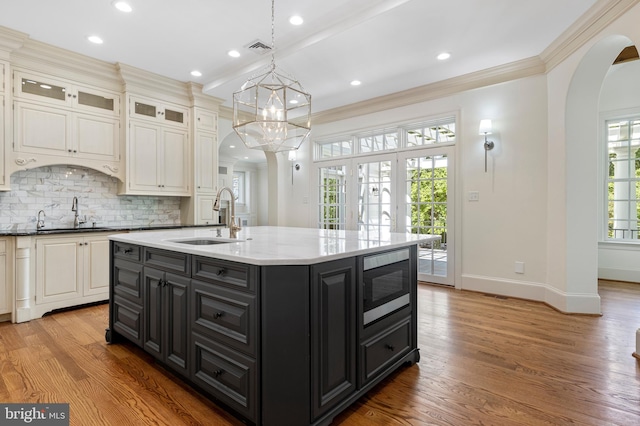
[
  {"x": 233, "y": 53},
  {"x": 296, "y": 20},
  {"x": 196, "y": 73},
  {"x": 356, "y": 83},
  {"x": 443, "y": 56},
  {"x": 122, "y": 6},
  {"x": 95, "y": 39},
  {"x": 293, "y": 101},
  {"x": 232, "y": 146},
  {"x": 246, "y": 158}
]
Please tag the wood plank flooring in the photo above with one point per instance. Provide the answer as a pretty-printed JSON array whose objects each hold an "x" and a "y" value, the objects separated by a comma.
[{"x": 485, "y": 360}]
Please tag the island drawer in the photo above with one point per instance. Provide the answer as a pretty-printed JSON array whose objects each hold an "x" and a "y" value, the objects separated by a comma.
[
  {"x": 127, "y": 280},
  {"x": 172, "y": 261},
  {"x": 225, "y": 315},
  {"x": 127, "y": 251},
  {"x": 226, "y": 375},
  {"x": 234, "y": 275},
  {"x": 127, "y": 319},
  {"x": 385, "y": 348}
]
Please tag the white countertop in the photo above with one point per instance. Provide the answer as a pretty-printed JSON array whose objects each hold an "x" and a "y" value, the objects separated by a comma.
[{"x": 274, "y": 245}]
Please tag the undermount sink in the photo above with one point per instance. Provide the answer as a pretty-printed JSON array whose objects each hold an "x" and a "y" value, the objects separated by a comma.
[{"x": 204, "y": 241}]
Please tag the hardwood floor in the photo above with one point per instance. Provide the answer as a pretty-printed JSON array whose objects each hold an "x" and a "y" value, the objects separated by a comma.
[{"x": 484, "y": 360}]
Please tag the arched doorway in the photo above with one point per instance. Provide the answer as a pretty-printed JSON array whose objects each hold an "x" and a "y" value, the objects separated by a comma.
[{"x": 581, "y": 159}]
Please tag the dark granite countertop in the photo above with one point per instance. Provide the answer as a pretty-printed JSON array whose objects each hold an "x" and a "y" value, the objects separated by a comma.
[{"x": 21, "y": 231}]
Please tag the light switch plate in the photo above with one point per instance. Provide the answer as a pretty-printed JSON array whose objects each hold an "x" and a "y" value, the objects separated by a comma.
[{"x": 474, "y": 196}]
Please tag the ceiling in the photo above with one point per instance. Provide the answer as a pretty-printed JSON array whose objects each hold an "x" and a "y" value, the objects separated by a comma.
[{"x": 389, "y": 45}]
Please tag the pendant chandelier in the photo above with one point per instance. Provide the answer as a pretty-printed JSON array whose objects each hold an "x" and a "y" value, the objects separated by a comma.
[{"x": 271, "y": 111}]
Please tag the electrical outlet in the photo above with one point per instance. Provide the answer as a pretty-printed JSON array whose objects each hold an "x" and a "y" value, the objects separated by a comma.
[{"x": 474, "y": 196}]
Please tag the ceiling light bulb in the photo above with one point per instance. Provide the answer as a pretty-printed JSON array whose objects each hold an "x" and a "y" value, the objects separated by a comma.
[
  {"x": 356, "y": 83},
  {"x": 196, "y": 73},
  {"x": 232, "y": 146},
  {"x": 234, "y": 53},
  {"x": 122, "y": 6},
  {"x": 95, "y": 39},
  {"x": 296, "y": 20},
  {"x": 443, "y": 56}
]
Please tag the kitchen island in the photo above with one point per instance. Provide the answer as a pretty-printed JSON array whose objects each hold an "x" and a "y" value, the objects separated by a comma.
[{"x": 276, "y": 325}]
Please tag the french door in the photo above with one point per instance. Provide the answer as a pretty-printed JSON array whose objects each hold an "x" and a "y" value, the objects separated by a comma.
[
  {"x": 426, "y": 181},
  {"x": 408, "y": 191}
]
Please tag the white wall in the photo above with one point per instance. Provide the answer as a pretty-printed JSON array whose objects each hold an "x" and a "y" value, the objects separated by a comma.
[{"x": 508, "y": 222}]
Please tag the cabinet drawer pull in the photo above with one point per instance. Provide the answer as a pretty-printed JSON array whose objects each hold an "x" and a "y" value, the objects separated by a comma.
[
  {"x": 390, "y": 347},
  {"x": 218, "y": 373},
  {"x": 221, "y": 271},
  {"x": 218, "y": 315},
  {"x": 128, "y": 251}
]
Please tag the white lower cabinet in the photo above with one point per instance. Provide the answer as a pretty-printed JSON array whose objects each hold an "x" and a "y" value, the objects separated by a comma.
[
  {"x": 70, "y": 271},
  {"x": 5, "y": 279},
  {"x": 204, "y": 210}
]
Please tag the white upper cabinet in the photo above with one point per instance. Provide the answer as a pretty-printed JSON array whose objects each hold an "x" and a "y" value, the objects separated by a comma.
[
  {"x": 206, "y": 121},
  {"x": 5, "y": 127},
  {"x": 159, "y": 112},
  {"x": 157, "y": 160},
  {"x": 42, "y": 89},
  {"x": 60, "y": 122}
]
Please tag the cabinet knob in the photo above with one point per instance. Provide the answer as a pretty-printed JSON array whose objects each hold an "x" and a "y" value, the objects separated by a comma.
[
  {"x": 221, "y": 271},
  {"x": 390, "y": 347},
  {"x": 74, "y": 151},
  {"x": 218, "y": 315},
  {"x": 69, "y": 150},
  {"x": 74, "y": 96},
  {"x": 128, "y": 251},
  {"x": 69, "y": 95},
  {"x": 217, "y": 373}
]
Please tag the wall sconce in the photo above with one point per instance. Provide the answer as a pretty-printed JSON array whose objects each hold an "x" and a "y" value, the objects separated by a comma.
[
  {"x": 485, "y": 129},
  {"x": 292, "y": 158}
]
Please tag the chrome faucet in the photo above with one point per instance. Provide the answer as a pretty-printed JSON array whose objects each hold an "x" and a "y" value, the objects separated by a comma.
[
  {"x": 74, "y": 208},
  {"x": 40, "y": 222},
  {"x": 233, "y": 228}
]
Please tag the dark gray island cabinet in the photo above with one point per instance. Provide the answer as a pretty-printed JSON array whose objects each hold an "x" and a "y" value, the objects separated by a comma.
[{"x": 276, "y": 344}]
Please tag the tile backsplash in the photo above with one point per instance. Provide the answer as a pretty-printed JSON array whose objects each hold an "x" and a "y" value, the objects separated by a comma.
[{"x": 52, "y": 189}]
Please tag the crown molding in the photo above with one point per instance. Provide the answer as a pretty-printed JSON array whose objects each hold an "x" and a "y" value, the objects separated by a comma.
[
  {"x": 594, "y": 20},
  {"x": 141, "y": 82},
  {"x": 512, "y": 71},
  {"x": 10, "y": 40},
  {"x": 37, "y": 56},
  {"x": 200, "y": 99}
]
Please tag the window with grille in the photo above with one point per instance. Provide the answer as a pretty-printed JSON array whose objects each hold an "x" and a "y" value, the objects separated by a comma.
[
  {"x": 332, "y": 197},
  {"x": 623, "y": 179}
]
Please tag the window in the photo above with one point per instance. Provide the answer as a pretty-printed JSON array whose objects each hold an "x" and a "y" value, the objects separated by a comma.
[
  {"x": 382, "y": 141},
  {"x": 623, "y": 179},
  {"x": 416, "y": 135},
  {"x": 339, "y": 148},
  {"x": 332, "y": 202},
  {"x": 439, "y": 132},
  {"x": 239, "y": 187}
]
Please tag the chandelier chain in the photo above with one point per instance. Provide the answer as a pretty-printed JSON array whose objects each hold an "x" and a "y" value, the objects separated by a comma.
[{"x": 273, "y": 34}]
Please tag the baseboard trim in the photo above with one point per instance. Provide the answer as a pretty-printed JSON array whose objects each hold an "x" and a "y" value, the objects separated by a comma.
[
  {"x": 568, "y": 303},
  {"x": 617, "y": 274}
]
